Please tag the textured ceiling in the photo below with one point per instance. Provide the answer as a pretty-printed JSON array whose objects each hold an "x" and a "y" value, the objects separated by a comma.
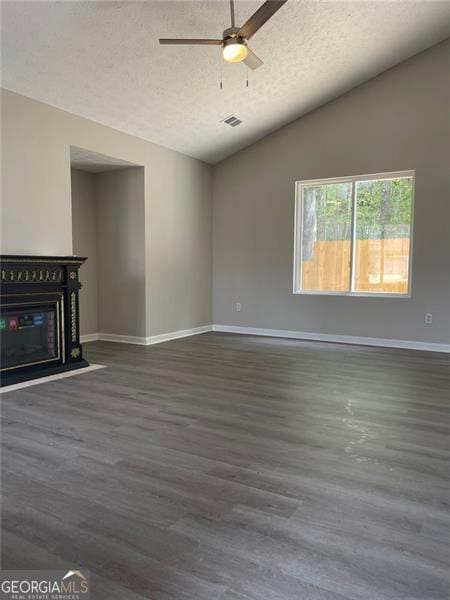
[
  {"x": 102, "y": 60},
  {"x": 86, "y": 160}
]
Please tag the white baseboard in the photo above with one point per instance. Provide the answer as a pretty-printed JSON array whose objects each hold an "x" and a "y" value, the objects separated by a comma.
[
  {"x": 174, "y": 335},
  {"x": 281, "y": 333},
  {"x": 144, "y": 341},
  {"x": 89, "y": 337},
  {"x": 342, "y": 339},
  {"x": 122, "y": 339}
]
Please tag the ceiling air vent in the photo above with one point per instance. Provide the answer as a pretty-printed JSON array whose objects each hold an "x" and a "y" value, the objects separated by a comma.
[{"x": 232, "y": 121}]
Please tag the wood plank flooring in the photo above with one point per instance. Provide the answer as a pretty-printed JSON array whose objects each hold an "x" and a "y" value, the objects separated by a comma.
[{"x": 235, "y": 468}]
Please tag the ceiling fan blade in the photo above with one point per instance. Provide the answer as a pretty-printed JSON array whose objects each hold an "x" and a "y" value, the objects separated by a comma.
[
  {"x": 261, "y": 16},
  {"x": 193, "y": 41},
  {"x": 252, "y": 61}
]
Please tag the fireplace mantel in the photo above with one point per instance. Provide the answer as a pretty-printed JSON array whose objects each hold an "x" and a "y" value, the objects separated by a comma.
[{"x": 38, "y": 301}]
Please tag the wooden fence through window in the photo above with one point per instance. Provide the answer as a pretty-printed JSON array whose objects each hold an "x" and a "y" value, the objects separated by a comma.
[{"x": 380, "y": 266}]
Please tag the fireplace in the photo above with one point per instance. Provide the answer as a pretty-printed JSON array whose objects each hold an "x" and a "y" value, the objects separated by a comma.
[
  {"x": 39, "y": 316},
  {"x": 29, "y": 336}
]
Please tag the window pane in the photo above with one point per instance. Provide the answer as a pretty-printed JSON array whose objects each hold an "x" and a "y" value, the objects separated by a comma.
[
  {"x": 383, "y": 227},
  {"x": 326, "y": 232}
]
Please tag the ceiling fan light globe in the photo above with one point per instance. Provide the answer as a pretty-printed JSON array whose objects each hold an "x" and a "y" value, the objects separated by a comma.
[{"x": 234, "y": 51}]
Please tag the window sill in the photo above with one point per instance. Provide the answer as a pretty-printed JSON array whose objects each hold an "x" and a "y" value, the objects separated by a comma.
[{"x": 352, "y": 294}]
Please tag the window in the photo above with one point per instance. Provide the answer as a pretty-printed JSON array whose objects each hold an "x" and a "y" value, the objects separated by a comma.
[{"x": 353, "y": 235}]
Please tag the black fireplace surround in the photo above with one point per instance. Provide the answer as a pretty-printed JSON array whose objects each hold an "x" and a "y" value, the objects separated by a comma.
[{"x": 39, "y": 317}]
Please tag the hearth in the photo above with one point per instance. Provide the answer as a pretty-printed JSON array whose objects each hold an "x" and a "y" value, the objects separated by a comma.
[{"x": 39, "y": 316}]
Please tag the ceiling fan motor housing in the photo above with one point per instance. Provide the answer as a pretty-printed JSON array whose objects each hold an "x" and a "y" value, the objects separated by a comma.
[{"x": 232, "y": 34}]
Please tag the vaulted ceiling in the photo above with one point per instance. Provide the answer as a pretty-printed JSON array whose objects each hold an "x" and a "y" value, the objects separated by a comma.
[{"x": 102, "y": 60}]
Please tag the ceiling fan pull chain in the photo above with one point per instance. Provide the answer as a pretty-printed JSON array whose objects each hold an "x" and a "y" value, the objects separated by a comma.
[
  {"x": 221, "y": 73},
  {"x": 246, "y": 83}
]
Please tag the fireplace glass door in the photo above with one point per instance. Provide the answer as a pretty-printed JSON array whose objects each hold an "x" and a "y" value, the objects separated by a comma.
[{"x": 29, "y": 335}]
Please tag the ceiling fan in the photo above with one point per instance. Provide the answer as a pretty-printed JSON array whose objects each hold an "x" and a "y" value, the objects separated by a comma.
[{"x": 234, "y": 39}]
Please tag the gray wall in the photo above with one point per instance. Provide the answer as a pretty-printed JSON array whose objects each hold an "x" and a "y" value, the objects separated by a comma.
[
  {"x": 121, "y": 251},
  {"x": 84, "y": 226},
  {"x": 108, "y": 219},
  {"x": 37, "y": 205},
  {"x": 397, "y": 121},
  {"x": 179, "y": 246}
]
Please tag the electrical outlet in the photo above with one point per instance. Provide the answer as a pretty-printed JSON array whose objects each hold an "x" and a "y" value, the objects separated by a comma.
[
  {"x": 238, "y": 307},
  {"x": 428, "y": 318}
]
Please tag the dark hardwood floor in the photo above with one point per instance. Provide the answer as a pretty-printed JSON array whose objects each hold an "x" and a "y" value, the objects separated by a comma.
[{"x": 235, "y": 468}]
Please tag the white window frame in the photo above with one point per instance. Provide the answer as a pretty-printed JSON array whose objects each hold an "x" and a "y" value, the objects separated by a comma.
[{"x": 298, "y": 230}]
